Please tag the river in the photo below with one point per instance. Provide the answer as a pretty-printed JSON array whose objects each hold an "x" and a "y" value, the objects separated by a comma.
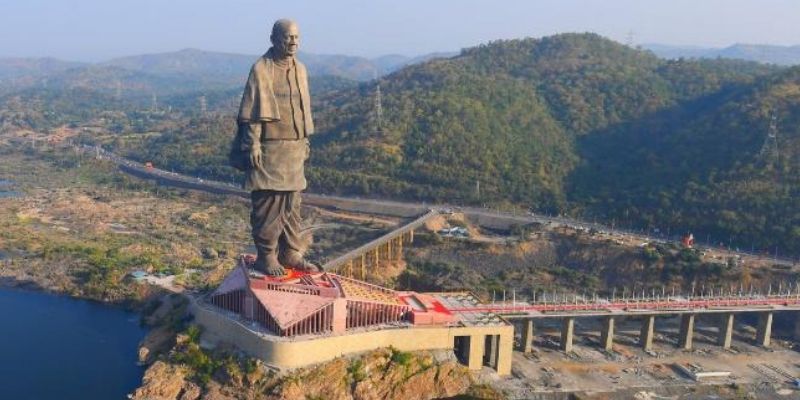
[{"x": 55, "y": 347}]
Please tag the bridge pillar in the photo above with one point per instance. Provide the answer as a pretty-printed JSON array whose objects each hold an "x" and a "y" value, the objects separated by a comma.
[
  {"x": 505, "y": 351},
  {"x": 567, "y": 331},
  {"x": 725, "y": 330},
  {"x": 363, "y": 266},
  {"x": 475, "y": 352},
  {"x": 411, "y": 236},
  {"x": 686, "y": 333},
  {"x": 648, "y": 329},
  {"x": 764, "y": 331},
  {"x": 527, "y": 336},
  {"x": 377, "y": 257},
  {"x": 492, "y": 350},
  {"x": 607, "y": 334},
  {"x": 399, "y": 248}
]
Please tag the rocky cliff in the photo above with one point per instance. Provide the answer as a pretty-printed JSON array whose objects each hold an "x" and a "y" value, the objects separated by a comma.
[{"x": 380, "y": 374}]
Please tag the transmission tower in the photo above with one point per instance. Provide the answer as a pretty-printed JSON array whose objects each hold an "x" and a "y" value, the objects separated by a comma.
[
  {"x": 378, "y": 109},
  {"x": 203, "y": 106},
  {"x": 629, "y": 39},
  {"x": 769, "y": 150}
]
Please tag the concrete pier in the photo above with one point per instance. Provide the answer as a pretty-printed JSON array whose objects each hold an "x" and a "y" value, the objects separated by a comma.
[
  {"x": 607, "y": 334},
  {"x": 764, "y": 331},
  {"x": 725, "y": 330},
  {"x": 648, "y": 329},
  {"x": 567, "y": 331},
  {"x": 492, "y": 350},
  {"x": 527, "y": 336},
  {"x": 505, "y": 348},
  {"x": 686, "y": 334},
  {"x": 475, "y": 359}
]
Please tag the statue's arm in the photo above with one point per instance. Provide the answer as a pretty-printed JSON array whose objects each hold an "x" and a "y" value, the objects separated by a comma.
[{"x": 251, "y": 141}]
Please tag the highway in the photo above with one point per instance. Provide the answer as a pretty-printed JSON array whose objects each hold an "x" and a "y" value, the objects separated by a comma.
[{"x": 481, "y": 216}]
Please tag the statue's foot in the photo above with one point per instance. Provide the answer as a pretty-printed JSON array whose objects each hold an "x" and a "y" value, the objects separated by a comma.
[
  {"x": 308, "y": 266},
  {"x": 269, "y": 265},
  {"x": 276, "y": 271},
  {"x": 294, "y": 259}
]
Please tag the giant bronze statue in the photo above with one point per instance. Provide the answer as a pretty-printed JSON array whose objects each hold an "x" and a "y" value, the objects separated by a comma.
[{"x": 272, "y": 145}]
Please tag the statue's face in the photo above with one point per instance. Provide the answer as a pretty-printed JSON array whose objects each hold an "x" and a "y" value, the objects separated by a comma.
[{"x": 287, "y": 41}]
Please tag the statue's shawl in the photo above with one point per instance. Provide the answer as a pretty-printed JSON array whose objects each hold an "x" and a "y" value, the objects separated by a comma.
[{"x": 258, "y": 100}]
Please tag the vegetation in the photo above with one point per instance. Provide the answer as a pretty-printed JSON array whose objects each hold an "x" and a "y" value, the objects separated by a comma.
[{"x": 569, "y": 124}]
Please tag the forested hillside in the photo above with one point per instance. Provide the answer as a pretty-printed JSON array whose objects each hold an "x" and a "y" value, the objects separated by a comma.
[
  {"x": 580, "y": 124},
  {"x": 699, "y": 166},
  {"x": 506, "y": 114}
]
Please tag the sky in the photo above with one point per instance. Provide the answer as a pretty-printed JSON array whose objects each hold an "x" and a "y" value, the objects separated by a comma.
[{"x": 97, "y": 30}]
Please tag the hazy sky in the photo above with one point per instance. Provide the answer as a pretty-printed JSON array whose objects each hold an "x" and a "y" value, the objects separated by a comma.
[{"x": 92, "y": 30}]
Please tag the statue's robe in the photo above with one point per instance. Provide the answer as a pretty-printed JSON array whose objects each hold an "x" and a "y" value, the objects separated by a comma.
[{"x": 275, "y": 113}]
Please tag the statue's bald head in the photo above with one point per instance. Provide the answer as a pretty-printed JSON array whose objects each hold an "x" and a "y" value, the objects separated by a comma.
[{"x": 285, "y": 38}]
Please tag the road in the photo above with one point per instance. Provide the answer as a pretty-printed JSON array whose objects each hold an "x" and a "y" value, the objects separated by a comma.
[{"x": 483, "y": 217}]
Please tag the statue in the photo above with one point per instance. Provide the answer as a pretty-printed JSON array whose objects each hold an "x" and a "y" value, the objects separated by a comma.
[{"x": 274, "y": 123}]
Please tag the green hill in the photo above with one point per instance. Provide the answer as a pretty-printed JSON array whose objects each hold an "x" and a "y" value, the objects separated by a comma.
[
  {"x": 580, "y": 124},
  {"x": 506, "y": 114},
  {"x": 698, "y": 166}
]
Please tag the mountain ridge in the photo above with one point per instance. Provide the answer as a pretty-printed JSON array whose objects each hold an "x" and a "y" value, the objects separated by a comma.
[{"x": 771, "y": 54}]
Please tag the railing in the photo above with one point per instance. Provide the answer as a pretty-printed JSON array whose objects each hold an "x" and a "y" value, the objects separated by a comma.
[{"x": 630, "y": 305}]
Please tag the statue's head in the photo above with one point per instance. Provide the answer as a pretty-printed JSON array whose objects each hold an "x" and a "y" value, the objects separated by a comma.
[{"x": 285, "y": 38}]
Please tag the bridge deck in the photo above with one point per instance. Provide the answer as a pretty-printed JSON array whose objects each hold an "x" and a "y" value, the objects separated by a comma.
[
  {"x": 357, "y": 252},
  {"x": 646, "y": 307}
]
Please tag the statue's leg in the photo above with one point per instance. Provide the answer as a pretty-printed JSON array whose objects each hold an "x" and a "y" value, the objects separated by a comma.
[
  {"x": 293, "y": 244},
  {"x": 267, "y": 223}
]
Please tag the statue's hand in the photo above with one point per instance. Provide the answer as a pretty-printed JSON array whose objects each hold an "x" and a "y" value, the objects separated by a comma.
[{"x": 255, "y": 156}]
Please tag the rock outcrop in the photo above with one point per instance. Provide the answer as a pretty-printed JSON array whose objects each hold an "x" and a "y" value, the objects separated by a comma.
[
  {"x": 381, "y": 374},
  {"x": 164, "y": 381},
  {"x": 377, "y": 375}
]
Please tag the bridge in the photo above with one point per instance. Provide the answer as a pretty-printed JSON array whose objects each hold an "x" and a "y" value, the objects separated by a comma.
[
  {"x": 389, "y": 247},
  {"x": 524, "y": 315}
]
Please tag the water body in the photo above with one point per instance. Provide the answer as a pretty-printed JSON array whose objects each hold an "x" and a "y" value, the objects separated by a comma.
[{"x": 54, "y": 347}]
